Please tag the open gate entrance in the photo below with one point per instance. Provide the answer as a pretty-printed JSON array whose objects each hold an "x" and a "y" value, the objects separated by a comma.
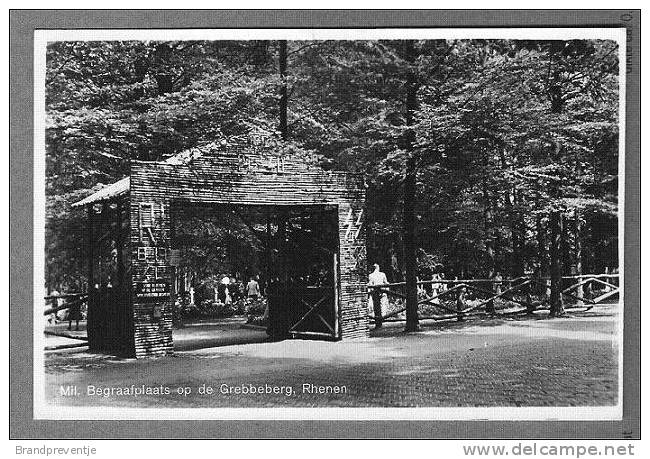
[
  {"x": 303, "y": 273},
  {"x": 291, "y": 249}
]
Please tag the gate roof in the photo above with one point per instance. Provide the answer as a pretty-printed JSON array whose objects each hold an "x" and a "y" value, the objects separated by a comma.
[{"x": 226, "y": 158}]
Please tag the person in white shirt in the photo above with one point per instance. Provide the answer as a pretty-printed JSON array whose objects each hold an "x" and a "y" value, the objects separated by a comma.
[
  {"x": 253, "y": 289},
  {"x": 377, "y": 278}
]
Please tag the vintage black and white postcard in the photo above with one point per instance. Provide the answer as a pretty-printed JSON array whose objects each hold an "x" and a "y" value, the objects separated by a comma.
[{"x": 329, "y": 224}]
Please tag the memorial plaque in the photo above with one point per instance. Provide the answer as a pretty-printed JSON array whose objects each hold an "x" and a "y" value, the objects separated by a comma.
[{"x": 152, "y": 291}]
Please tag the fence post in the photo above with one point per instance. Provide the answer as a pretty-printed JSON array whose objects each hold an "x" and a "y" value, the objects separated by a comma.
[
  {"x": 375, "y": 296},
  {"x": 460, "y": 304},
  {"x": 580, "y": 292},
  {"x": 489, "y": 306},
  {"x": 530, "y": 308},
  {"x": 608, "y": 280}
]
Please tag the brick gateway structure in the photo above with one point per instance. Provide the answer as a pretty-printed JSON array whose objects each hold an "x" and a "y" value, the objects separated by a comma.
[{"x": 131, "y": 246}]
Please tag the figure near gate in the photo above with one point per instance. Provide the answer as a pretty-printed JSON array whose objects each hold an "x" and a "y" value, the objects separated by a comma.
[
  {"x": 376, "y": 295},
  {"x": 252, "y": 289}
]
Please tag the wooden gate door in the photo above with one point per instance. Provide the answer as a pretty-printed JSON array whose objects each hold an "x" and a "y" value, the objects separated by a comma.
[{"x": 305, "y": 297}]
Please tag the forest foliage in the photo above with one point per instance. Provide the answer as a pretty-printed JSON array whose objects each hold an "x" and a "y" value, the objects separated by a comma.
[{"x": 479, "y": 141}]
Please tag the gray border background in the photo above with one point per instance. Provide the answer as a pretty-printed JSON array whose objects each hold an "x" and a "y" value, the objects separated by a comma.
[{"x": 21, "y": 34}]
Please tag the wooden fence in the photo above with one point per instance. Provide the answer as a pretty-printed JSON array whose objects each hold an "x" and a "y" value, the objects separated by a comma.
[
  {"x": 445, "y": 299},
  {"x": 73, "y": 300}
]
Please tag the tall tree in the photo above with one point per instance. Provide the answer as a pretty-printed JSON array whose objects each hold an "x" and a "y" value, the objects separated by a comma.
[
  {"x": 410, "y": 183},
  {"x": 284, "y": 97}
]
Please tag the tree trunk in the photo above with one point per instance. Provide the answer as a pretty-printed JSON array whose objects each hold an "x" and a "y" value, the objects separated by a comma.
[
  {"x": 284, "y": 98},
  {"x": 517, "y": 229},
  {"x": 264, "y": 284},
  {"x": 162, "y": 74},
  {"x": 165, "y": 83},
  {"x": 542, "y": 255},
  {"x": 282, "y": 246},
  {"x": 517, "y": 248},
  {"x": 119, "y": 242},
  {"x": 91, "y": 247},
  {"x": 555, "y": 224},
  {"x": 541, "y": 248},
  {"x": 489, "y": 244},
  {"x": 578, "y": 256},
  {"x": 91, "y": 292},
  {"x": 556, "y": 218},
  {"x": 410, "y": 253},
  {"x": 410, "y": 256},
  {"x": 567, "y": 259}
]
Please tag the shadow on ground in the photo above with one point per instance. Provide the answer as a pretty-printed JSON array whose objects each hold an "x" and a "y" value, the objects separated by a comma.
[{"x": 392, "y": 329}]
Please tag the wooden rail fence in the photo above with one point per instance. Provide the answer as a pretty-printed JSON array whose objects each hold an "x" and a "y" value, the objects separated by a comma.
[
  {"x": 76, "y": 300},
  {"x": 446, "y": 299}
]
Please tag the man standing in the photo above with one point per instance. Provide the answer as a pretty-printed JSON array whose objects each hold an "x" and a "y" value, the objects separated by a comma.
[
  {"x": 222, "y": 290},
  {"x": 252, "y": 289},
  {"x": 377, "y": 278},
  {"x": 52, "y": 319}
]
